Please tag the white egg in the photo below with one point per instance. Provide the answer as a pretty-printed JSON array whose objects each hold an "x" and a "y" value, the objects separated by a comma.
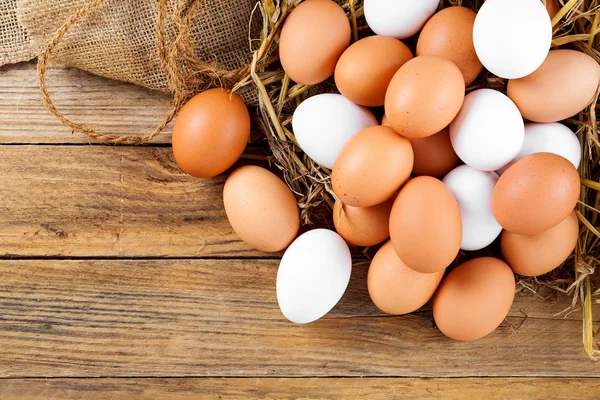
[
  {"x": 325, "y": 122},
  {"x": 512, "y": 37},
  {"x": 473, "y": 192},
  {"x": 398, "y": 18},
  {"x": 313, "y": 275},
  {"x": 488, "y": 131},
  {"x": 549, "y": 138}
]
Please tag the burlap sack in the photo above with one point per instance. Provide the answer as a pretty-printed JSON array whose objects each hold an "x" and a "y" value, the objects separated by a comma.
[{"x": 118, "y": 39}]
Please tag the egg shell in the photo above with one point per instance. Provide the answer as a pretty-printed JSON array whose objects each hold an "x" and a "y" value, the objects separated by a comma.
[
  {"x": 449, "y": 34},
  {"x": 473, "y": 190},
  {"x": 425, "y": 225},
  {"x": 395, "y": 288},
  {"x": 488, "y": 132},
  {"x": 324, "y": 123},
  {"x": 366, "y": 68},
  {"x": 433, "y": 155},
  {"x": 539, "y": 254},
  {"x": 549, "y": 138},
  {"x": 371, "y": 167},
  {"x": 473, "y": 300},
  {"x": 261, "y": 208},
  {"x": 562, "y": 87},
  {"x": 363, "y": 226},
  {"x": 210, "y": 133},
  {"x": 424, "y": 96},
  {"x": 535, "y": 193},
  {"x": 398, "y": 18},
  {"x": 313, "y": 275},
  {"x": 512, "y": 37},
  {"x": 313, "y": 38}
]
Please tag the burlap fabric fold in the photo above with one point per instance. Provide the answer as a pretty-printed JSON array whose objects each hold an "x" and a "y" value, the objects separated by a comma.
[{"x": 118, "y": 38}]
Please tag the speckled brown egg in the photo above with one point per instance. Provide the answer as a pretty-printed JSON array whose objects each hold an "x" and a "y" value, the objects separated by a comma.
[
  {"x": 561, "y": 87},
  {"x": 363, "y": 226},
  {"x": 535, "y": 193},
  {"x": 395, "y": 288},
  {"x": 371, "y": 167},
  {"x": 424, "y": 96},
  {"x": 210, "y": 133},
  {"x": 449, "y": 34},
  {"x": 366, "y": 68},
  {"x": 261, "y": 208},
  {"x": 425, "y": 225},
  {"x": 539, "y": 254},
  {"x": 474, "y": 299},
  {"x": 313, "y": 38}
]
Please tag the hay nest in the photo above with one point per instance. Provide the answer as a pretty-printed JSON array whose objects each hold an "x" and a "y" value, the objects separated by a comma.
[{"x": 575, "y": 26}]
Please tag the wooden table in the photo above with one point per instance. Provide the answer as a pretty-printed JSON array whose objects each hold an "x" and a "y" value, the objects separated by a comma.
[{"x": 121, "y": 278}]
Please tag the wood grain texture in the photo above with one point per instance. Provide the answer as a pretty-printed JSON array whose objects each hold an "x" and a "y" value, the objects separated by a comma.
[
  {"x": 97, "y": 201},
  {"x": 307, "y": 389},
  {"x": 178, "y": 318},
  {"x": 110, "y": 106}
]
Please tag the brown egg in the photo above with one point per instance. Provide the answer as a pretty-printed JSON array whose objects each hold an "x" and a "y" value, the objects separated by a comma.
[
  {"x": 395, "y": 288},
  {"x": 552, "y": 7},
  {"x": 425, "y": 225},
  {"x": 210, "y": 133},
  {"x": 371, "y": 167},
  {"x": 261, "y": 208},
  {"x": 424, "y": 96},
  {"x": 535, "y": 193},
  {"x": 449, "y": 34},
  {"x": 561, "y": 87},
  {"x": 474, "y": 299},
  {"x": 366, "y": 226},
  {"x": 539, "y": 254},
  {"x": 313, "y": 38},
  {"x": 366, "y": 68},
  {"x": 434, "y": 155}
]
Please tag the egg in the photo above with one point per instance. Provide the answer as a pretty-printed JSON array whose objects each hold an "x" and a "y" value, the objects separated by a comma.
[
  {"x": 424, "y": 96},
  {"x": 553, "y": 7},
  {"x": 261, "y": 209},
  {"x": 363, "y": 226},
  {"x": 313, "y": 275},
  {"x": 488, "y": 132},
  {"x": 535, "y": 193},
  {"x": 449, "y": 34},
  {"x": 398, "y": 18},
  {"x": 210, "y": 133},
  {"x": 512, "y": 37},
  {"x": 473, "y": 190},
  {"x": 549, "y": 138},
  {"x": 425, "y": 225},
  {"x": 371, "y": 167},
  {"x": 433, "y": 155},
  {"x": 324, "y": 123},
  {"x": 563, "y": 86},
  {"x": 539, "y": 254},
  {"x": 474, "y": 299},
  {"x": 395, "y": 288},
  {"x": 366, "y": 68},
  {"x": 313, "y": 38}
]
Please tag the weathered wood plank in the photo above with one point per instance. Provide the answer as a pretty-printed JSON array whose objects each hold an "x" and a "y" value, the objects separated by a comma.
[
  {"x": 110, "y": 106},
  {"x": 308, "y": 388},
  {"x": 173, "y": 318},
  {"x": 97, "y": 201}
]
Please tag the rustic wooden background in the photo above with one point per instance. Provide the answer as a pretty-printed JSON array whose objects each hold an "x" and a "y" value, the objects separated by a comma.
[{"x": 121, "y": 278}]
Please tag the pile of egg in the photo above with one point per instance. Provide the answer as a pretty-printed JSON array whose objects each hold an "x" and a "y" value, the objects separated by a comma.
[{"x": 443, "y": 172}]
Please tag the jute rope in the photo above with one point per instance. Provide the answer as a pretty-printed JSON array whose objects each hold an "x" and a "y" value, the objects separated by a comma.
[{"x": 186, "y": 74}]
